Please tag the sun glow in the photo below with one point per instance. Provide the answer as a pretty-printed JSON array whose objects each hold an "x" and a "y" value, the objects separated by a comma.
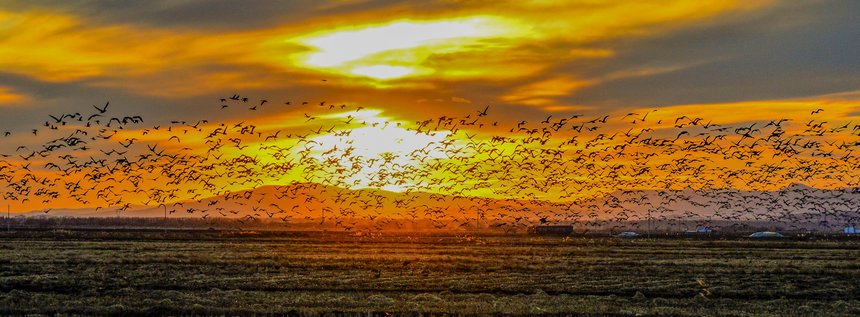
[
  {"x": 382, "y": 152},
  {"x": 372, "y": 142},
  {"x": 396, "y": 49}
]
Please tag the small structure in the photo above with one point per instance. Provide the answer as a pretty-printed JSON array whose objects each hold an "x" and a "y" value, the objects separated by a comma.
[
  {"x": 558, "y": 229},
  {"x": 849, "y": 230},
  {"x": 627, "y": 234},
  {"x": 700, "y": 230},
  {"x": 766, "y": 234}
]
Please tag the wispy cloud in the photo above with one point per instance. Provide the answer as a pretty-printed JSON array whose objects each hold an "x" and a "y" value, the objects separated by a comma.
[{"x": 9, "y": 98}]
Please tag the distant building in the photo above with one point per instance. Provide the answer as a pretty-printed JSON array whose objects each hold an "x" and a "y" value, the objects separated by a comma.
[
  {"x": 700, "y": 230},
  {"x": 849, "y": 230},
  {"x": 560, "y": 229},
  {"x": 627, "y": 234},
  {"x": 766, "y": 234}
]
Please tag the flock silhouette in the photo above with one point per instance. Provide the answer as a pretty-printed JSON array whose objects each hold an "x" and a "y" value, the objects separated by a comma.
[{"x": 595, "y": 171}]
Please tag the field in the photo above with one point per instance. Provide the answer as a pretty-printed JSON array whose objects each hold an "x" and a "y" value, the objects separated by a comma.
[{"x": 140, "y": 273}]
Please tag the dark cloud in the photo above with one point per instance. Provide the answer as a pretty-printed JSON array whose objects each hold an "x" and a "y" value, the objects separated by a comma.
[
  {"x": 200, "y": 14},
  {"x": 789, "y": 51},
  {"x": 70, "y": 97}
]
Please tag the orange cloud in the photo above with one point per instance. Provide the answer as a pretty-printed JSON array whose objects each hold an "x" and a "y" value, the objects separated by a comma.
[
  {"x": 535, "y": 94},
  {"x": 8, "y": 98},
  {"x": 460, "y": 100},
  {"x": 166, "y": 63},
  {"x": 834, "y": 110},
  {"x": 56, "y": 47}
]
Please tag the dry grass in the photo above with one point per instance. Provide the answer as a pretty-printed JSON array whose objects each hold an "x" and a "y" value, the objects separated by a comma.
[{"x": 212, "y": 274}]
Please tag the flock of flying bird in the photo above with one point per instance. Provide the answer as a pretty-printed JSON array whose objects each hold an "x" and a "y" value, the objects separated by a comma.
[{"x": 594, "y": 171}]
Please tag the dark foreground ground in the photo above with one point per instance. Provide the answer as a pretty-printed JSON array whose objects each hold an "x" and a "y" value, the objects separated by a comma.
[{"x": 136, "y": 273}]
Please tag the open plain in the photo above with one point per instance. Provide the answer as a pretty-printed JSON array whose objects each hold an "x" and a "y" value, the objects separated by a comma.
[{"x": 230, "y": 273}]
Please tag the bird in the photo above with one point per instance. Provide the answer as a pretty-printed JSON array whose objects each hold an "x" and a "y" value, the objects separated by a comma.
[
  {"x": 102, "y": 109},
  {"x": 538, "y": 173}
]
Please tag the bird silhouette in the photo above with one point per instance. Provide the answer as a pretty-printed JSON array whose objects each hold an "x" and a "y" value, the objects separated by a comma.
[{"x": 600, "y": 173}]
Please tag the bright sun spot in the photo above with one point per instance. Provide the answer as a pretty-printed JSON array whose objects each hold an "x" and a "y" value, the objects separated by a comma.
[
  {"x": 378, "y": 143},
  {"x": 395, "y": 49}
]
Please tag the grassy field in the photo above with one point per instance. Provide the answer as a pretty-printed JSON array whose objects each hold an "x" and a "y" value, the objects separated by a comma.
[{"x": 243, "y": 274}]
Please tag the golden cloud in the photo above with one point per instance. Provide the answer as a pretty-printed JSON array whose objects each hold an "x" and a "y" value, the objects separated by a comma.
[
  {"x": 406, "y": 48},
  {"x": 384, "y": 48},
  {"x": 535, "y": 94}
]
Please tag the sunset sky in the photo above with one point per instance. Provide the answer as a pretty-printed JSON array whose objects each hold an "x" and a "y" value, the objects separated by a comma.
[
  {"x": 730, "y": 61},
  {"x": 528, "y": 56}
]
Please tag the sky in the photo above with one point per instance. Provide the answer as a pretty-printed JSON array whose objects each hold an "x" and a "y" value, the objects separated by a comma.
[
  {"x": 530, "y": 57},
  {"x": 406, "y": 61}
]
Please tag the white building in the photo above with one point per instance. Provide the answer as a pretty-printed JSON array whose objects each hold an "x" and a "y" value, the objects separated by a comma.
[{"x": 766, "y": 234}]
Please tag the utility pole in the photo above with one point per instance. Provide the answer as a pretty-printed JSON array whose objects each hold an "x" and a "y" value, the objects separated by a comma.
[
  {"x": 477, "y": 223},
  {"x": 649, "y": 223},
  {"x": 165, "y": 218},
  {"x": 8, "y": 218}
]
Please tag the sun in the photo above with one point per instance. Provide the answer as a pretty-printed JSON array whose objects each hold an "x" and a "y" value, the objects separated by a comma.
[{"x": 378, "y": 153}]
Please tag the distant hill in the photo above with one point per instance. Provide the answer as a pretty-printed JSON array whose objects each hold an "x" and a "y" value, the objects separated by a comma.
[{"x": 302, "y": 202}]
